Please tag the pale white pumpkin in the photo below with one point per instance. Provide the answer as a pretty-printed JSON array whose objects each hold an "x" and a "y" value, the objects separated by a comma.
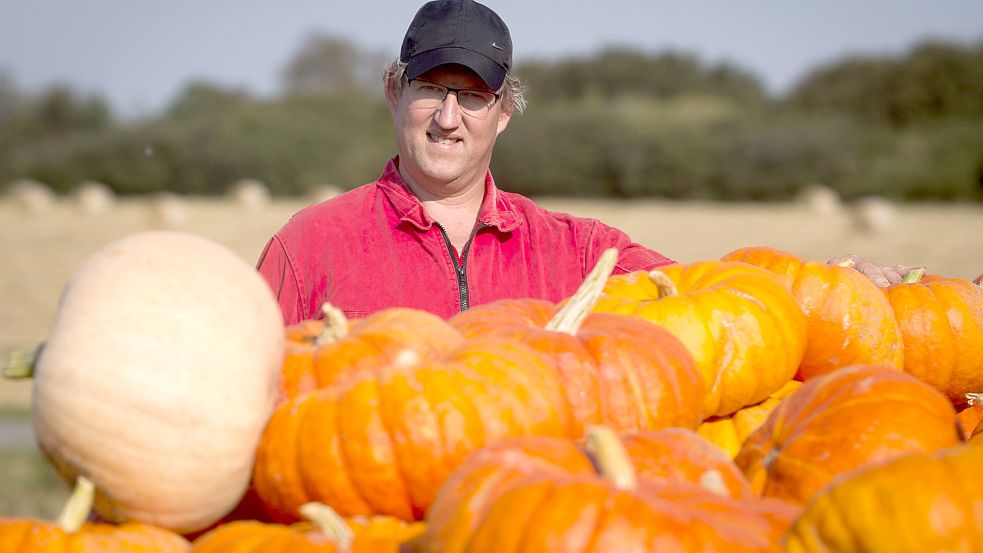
[{"x": 158, "y": 378}]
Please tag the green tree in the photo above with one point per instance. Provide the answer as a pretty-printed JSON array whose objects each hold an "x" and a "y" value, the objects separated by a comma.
[
  {"x": 205, "y": 99},
  {"x": 328, "y": 63}
]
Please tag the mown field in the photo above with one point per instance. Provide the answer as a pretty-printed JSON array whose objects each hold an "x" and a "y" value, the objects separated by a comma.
[{"x": 41, "y": 249}]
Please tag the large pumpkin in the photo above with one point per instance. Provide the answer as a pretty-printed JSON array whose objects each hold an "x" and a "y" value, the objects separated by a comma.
[
  {"x": 325, "y": 532},
  {"x": 617, "y": 370},
  {"x": 941, "y": 321},
  {"x": 849, "y": 322},
  {"x": 728, "y": 433},
  {"x": 321, "y": 351},
  {"x": 742, "y": 326},
  {"x": 540, "y": 494},
  {"x": 840, "y": 421},
  {"x": 158, "y": 377},
  {"x": 383, "y": 440},
  {"x": 914, "y": 504},
  {"x": 72, "y": 532}
]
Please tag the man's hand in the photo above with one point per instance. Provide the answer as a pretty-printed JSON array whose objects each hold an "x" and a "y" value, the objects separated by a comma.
[{"x": 881, "y": 275}]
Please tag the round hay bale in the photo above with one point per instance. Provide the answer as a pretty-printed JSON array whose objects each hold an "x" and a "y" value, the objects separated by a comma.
[
  {"x": 250, "y": 194},
  {"x": 874, "y": 214},
  {"x": 32, "y": 196},
  {"x": 93, "y": 197},
  {"x": 169, "y": 210},
  {"x": 322, "y": 192},
  {"x": 820, "y": 199}
]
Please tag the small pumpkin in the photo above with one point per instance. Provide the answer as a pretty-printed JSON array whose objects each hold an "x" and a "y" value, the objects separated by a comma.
[
  {"x": 382, "y": 440},
  {"x": 840, "y": 421},
  {"x": 742, "y": 326},
  {"x": 941, "y": 321},
  {"x": 319, "y": 352},
  {"x": 728, "y": 433},
  {"x": 158, "y": 377},
  {"x": 324, "y": 532},
  {"x": 536, "y": 494},
  {"x": 916, "y": 503},
  {"x": 848, "y": 320},
  {"x": 73, "y": 533},
  {"x": 617, "y": 370}
]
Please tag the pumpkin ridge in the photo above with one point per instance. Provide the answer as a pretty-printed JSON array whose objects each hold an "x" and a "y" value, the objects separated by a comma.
[
  {"x": 344, "y": 457},
  {"x": 953, "y": 302},
  {"x": 546, "y": 488},
  {"x": 388, "y": 429},
  {"x": 801, "y": 465},
  {"x": 890, "y": 397}
]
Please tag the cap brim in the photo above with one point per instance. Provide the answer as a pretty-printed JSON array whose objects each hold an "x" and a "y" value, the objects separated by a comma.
[{"x": 489, "y": 71}]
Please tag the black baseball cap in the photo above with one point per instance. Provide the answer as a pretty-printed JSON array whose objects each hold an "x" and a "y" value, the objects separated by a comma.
[{"x": 458, "y": 31}]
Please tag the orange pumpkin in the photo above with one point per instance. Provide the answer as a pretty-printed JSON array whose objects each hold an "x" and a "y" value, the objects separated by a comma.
[
  {"x": 916, "y": 503},
  {"x": 617, "y": 370},
  {"x": 319, "y": 352},
  {"x": 537, "y": 494},
  {"x": 325, "y": 533},
  {"x": 72, "y": 533},
  {"x": 976, "y": 436},
  {"x": 728, "y": 433},
  {"x": 848, "y": 320},
  {"x": 742, "y": 326},
  {"x": 941, "y": 322},
  {"x": 841, "y": 421},
  {"x": 382, "y": 440},
  {"x": 971, "y": 415}
]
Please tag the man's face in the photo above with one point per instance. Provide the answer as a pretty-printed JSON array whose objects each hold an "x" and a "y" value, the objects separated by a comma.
[{"x": 445, "y": 150}]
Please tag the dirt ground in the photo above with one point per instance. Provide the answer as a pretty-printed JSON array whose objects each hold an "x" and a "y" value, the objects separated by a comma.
[{"x": 40, "y": 250}]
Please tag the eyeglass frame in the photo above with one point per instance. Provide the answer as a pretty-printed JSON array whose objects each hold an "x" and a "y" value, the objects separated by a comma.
[{"x": 448, "y": 90}]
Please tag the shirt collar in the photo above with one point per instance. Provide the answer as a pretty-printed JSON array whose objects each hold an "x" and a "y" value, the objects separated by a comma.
[{"x": 496, "y": 210}]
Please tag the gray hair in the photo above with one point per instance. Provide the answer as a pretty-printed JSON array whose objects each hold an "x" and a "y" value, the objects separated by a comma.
[{"x": 513, "y": 91}]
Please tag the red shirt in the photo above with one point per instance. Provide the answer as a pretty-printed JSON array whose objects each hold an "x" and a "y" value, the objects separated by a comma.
[{"x": 376, "y": 247}]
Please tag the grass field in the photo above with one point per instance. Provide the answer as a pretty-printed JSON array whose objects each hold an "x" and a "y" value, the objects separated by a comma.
[{"x": 41, "y": 250}]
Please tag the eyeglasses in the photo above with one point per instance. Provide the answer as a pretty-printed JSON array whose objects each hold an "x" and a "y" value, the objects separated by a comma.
[{"x": 428, "y": 95}]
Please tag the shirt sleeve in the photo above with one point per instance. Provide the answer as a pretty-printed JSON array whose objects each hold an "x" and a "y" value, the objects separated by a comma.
[
  {"x": 276, "y": 269},
  {"x": 631, "y": 256}
]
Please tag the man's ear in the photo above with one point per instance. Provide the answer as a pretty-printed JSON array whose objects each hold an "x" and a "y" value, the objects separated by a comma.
[
  {"x": 503, "y": 120},
  {"x": 392, "y": 94}
]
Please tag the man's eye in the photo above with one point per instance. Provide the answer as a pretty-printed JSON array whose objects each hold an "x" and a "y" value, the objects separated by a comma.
[
  {"x": 423, "y": 87},
  {"x": 472, "y": 95}
]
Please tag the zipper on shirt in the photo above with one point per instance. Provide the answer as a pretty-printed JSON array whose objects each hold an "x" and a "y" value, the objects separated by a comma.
[{"x": 461, "y": 270}]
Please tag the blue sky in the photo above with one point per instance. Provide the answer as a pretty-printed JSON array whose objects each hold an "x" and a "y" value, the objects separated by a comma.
[{"x": 140, "y": 54}]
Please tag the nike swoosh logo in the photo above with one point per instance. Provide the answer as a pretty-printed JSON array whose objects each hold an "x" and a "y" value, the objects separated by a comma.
[{"x": 496, "y": 46}]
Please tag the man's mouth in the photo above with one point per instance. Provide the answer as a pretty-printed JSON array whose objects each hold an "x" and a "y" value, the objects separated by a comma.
[{"x": 442, "y": 140}]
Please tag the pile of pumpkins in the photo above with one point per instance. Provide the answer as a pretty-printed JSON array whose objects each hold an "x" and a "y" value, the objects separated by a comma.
[{"x": 758, "y": 402}]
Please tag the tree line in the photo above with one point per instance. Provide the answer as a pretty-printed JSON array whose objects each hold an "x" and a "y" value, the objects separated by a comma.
[{"x": 619, "y": 122}]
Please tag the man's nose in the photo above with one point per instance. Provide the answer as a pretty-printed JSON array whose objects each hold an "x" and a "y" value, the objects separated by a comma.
[{"x": 449, "y": 111}]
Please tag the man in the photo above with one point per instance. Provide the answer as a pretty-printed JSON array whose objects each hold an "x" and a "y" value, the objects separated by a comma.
[{"x": 434, "y": 232}]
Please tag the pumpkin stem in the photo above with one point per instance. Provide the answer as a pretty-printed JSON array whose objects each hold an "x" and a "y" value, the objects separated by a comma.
[
  {"x": 667, "y": 288},
  {"x": 770, "y": 458},
  {"x": 335, "y": 325},
  {"x": 913, "y": 276},
  {"x": 77, "y": 509},
  {"x": 713, "y": 481},
  {"x": 974, "y": 398},
  {"x": 328, "y": 520},
  {"x": 608, "y": 453},
  {"x": 21, "y": 363},
  {"x": 569, "y": 318}
]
